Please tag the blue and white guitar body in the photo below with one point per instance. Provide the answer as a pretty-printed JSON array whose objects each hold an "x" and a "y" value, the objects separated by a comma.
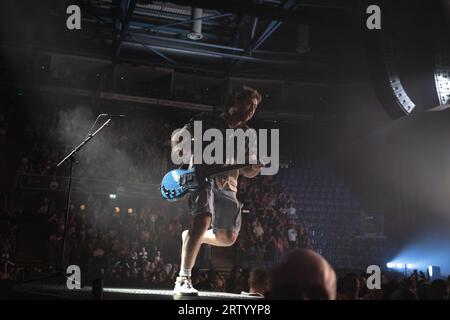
[{"x": 177, "y": 183}]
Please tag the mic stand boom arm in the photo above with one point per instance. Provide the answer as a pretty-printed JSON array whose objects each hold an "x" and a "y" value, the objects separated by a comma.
[
  {"x": 71, "y": 156},
  {"x": 81, "y": 145}
]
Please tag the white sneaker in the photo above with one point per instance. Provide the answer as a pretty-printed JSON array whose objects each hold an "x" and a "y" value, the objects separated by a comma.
[{"x": 183, "y": 287}]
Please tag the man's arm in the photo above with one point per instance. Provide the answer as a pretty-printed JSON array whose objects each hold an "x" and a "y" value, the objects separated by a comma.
[
  {"x": 254, "y": 170},
  {"x": 251, "y": 172},
  {"x": 251, "y": 152}
]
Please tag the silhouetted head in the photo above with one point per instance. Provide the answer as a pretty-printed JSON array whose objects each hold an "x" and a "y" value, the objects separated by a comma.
[
  {"x": 258, "y": 280},
  {"x": 244, "y": 106},
  {"x": 303, "y": 275}
]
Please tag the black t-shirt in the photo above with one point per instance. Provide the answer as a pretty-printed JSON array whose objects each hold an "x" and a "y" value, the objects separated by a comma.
[{"x": 216, "y": 120}]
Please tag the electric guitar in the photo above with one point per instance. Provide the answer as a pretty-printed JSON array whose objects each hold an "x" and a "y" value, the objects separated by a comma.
[{"x": 178, "y": 182}]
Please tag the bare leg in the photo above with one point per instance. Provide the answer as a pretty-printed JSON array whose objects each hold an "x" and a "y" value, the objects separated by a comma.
[
  {"x": 222, "y": 238},
  {"x": 192, "y": 240}
]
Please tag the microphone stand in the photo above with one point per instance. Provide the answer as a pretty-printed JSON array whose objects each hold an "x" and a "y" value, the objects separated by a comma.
[
  {"x": 71, "y": 157},
  {"x": 61, "y": 270}
]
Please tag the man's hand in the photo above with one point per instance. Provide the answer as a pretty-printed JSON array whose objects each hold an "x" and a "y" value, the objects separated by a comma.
[{"x": 251, "y": 172}]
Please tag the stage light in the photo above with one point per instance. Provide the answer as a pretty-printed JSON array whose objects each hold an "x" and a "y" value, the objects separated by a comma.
[
  {"x": 82, "y": 207},
  {"x": 390, "y": 265},
  {"x": 434, "y": 272},
  {"x": 399, "y": 265},
  {"x": 112, "y": 196},
  {"x": 130, "y": 210},
  {"x": 409, "y": 266},
  {"x": 117, "y": 210},
  {"x": 196, "y": 32}
]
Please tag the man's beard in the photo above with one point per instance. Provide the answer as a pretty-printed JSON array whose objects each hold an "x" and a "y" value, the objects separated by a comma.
[{"x": 240, "y": 117}]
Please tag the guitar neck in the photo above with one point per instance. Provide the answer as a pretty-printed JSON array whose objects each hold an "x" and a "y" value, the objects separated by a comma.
[{"x": 212, "y": 171}]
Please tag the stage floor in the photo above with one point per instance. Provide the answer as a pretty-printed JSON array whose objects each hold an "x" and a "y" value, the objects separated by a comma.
[{"x": 49, "y": 290}]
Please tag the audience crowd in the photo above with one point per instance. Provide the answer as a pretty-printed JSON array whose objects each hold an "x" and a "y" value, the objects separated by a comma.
[{"x": 139, "y": 243}]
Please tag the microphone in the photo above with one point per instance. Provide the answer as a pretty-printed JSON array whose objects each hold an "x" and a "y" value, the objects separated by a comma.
[{"x": 113, "y": 115}]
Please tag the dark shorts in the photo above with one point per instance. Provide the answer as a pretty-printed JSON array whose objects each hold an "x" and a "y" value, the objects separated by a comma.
[{"x": 222, "y": 204}]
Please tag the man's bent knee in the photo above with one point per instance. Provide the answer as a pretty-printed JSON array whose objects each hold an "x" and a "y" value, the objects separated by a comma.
[
  {"x": 226, "y": 237},
  {"x": 201, "y": 222}
]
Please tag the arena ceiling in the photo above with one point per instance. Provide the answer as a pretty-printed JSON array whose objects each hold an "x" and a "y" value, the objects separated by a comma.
[
  {"x": 260, "y": 38},
  {"x": 315, "y": 49}
]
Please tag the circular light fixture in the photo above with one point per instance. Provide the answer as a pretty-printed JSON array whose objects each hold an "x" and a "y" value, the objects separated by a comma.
[{"x": 195, "y": 36}]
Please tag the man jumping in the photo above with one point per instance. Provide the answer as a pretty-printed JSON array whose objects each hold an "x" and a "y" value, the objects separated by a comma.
[{"x": 216, "y": 205}]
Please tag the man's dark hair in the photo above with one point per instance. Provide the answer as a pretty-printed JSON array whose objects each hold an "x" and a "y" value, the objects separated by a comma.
[
  {"x": 247, "y": 92},
  {"x": 303, "y": 275}
]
